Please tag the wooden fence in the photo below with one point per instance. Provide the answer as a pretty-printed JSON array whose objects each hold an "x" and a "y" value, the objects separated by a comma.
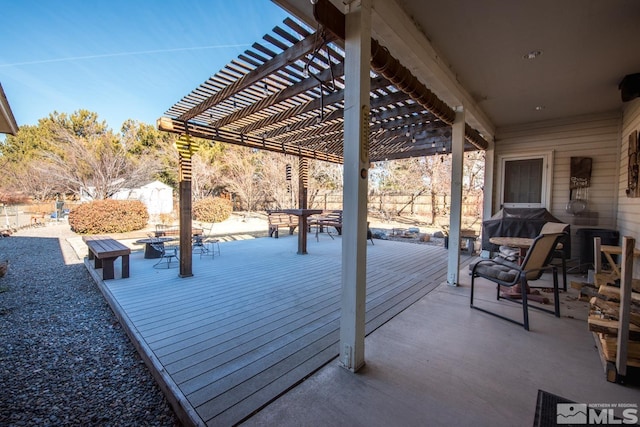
[
  {"x": 19, "y": 216},
  {"x": 408, "y": 204}
]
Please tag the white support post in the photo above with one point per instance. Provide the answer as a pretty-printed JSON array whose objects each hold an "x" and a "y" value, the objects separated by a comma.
[
  {"x": 356, "y": 165},
  {"x": 455, "y": 216},
  {"x": 489, "y": 173}
]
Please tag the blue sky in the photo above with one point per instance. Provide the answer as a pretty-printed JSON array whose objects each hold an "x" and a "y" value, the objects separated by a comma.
[{"x": 122, "y": 59}]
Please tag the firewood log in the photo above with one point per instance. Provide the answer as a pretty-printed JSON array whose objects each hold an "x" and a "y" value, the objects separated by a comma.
[
  {"x": 610, "y": 327},
  {"x": 612, "y": 310}
]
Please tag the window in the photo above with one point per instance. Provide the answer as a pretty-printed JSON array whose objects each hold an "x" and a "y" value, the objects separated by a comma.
[{"x": 525, "y": 180}]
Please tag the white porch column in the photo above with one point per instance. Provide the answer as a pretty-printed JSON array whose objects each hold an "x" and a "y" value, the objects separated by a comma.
[
  {"x": 356, "y": 165},
  {"x": 489, "y": 179},
  {"x": 457, "y": 160}
]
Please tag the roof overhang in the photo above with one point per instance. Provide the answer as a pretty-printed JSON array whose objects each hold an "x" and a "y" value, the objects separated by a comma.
[{"x": 7, "y": 121}]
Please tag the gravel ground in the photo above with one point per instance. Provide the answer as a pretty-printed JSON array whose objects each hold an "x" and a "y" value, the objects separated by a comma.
[{"x": 64, "y": 358}]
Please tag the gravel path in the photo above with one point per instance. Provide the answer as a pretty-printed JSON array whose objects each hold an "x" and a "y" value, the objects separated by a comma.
[{"x": 64, "y": 359}]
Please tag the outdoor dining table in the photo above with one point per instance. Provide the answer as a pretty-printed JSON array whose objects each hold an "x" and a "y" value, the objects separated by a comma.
[{"x": 303, "y": 216}]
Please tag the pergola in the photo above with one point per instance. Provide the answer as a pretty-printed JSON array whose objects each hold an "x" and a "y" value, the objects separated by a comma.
[
  {"x": 331, "y": 94},
  {"x": 287, "y": 95}
]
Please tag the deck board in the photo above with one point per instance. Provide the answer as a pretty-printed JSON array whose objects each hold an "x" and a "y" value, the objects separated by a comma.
[{"x": 254, "y": 321}]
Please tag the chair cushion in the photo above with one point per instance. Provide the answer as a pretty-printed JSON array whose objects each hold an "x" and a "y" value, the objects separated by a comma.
[{"x": 500, "y": 269}]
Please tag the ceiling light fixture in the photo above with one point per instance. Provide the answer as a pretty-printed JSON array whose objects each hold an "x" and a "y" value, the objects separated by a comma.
[
  {"x": 539, "y": 107},
  {"x": 533, "y": 54}
]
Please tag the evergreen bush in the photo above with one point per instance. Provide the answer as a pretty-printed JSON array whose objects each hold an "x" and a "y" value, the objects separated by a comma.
[
  {"x": 108, "y": 216},
  {"x": 212, "y": 209}
]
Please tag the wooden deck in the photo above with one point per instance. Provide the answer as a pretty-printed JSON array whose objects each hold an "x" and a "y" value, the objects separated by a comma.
[{"x": 256, "y": 320}]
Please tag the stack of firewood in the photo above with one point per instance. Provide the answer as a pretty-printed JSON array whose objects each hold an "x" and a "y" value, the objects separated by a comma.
[{"x": 604, "y": 317}]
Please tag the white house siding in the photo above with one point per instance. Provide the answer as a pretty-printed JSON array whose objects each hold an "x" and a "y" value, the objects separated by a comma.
[
  {"x": 629, "y": 208},
  {"x": 596, "y": 136}
]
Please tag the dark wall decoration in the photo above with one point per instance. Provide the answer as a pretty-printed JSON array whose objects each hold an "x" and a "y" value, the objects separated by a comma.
[
  {"x": 580, "y": 172},
  {"x": 633, "y": 189},
  {"x": 579, "y": 183}
]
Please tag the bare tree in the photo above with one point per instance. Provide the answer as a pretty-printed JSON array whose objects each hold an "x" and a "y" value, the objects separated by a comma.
[
  {"x": 323, "y": 177},
  {"x": 437, "y": 175},
  {"x": 93, "y": 162},
  {"x": 209, "y": 169},
  {"x": 473, "y": 181},
  {"x": 242, "y": 175},
  {"x": 34, "y": 180},
  {"x": 278, "y": 192}
]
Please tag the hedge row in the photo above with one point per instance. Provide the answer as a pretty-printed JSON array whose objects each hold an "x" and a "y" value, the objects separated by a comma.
[
  {"x": 108, "y": 216},
  {"x": 211, "y": 209},
  {"x": 121, "y": 216}
]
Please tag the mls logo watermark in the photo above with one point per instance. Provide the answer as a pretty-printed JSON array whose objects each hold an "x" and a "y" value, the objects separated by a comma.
[
  {"x": 571, "y": 413},
  {"x": 597, "y": 413}
]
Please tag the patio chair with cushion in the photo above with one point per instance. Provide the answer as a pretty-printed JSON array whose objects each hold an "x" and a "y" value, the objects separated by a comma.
[
  {"x": 559, "y": 227},
  {"x": 513, "y": 254},
  {"x": 510, "y": 274}
]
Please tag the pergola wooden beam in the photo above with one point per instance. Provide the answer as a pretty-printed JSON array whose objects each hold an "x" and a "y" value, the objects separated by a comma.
[{"x": 168, "y": 124}]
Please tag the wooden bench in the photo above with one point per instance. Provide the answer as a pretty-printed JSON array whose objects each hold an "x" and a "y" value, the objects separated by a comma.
[
  {"x": 103, "y": 251},
  {"x": 278, "y": 220},
  {"x": 331, "y": 218}
]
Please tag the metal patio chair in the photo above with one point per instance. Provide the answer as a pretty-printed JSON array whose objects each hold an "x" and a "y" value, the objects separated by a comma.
[
  {"x": 168, "y": 255},
  {"x": 206, "y": 244}
]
